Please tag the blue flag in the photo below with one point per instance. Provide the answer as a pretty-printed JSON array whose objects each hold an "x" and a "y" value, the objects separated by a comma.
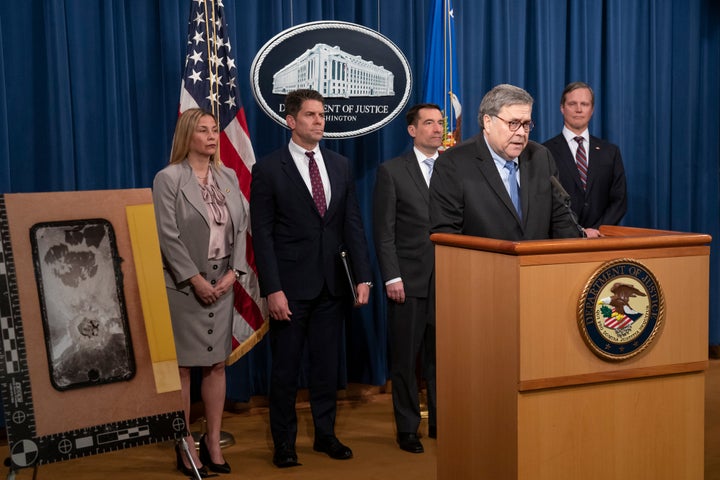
[{"x": 441, "y": 79}]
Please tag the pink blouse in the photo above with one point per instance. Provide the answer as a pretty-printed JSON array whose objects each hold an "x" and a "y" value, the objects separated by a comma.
[{"x": 220, "y": 227}]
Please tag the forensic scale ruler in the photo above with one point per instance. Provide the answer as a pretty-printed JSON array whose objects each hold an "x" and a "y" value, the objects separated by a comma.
[{"x": 26, "y": 448}]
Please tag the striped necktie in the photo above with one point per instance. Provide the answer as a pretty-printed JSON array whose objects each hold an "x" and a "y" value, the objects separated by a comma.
[{"x": 581, "y": 161}]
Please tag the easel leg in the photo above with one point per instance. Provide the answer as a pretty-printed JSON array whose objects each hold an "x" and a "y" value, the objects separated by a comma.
[
  {"x": 186, "y": 449},
  {"x": 11, "y": 472}
]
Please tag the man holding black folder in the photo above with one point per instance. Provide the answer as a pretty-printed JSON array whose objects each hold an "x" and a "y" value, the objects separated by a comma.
[
  {"x": 401, "y": 224},
  {"x": 304, "y": 211}
]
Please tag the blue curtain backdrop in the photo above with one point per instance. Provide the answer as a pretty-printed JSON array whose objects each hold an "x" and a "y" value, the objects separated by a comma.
[{"x": 89, "y": 97}]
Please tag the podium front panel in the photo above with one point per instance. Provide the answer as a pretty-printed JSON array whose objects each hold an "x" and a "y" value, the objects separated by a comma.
[
  {"x": 522, "y": 396},
  {"x": 552, "y": 350},
  {"x": 650, "y": 428}
]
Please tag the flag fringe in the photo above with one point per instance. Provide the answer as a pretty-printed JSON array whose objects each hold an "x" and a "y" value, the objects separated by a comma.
[{"x": 247, "y": 345}]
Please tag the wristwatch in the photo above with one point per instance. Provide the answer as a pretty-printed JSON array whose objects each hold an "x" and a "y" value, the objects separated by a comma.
[
  {"x": 369, "y": 284},
  {"x": 237, "y": 274}
]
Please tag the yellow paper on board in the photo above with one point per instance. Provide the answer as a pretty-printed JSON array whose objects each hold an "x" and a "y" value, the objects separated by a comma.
[{"x": 153, "y": 297}]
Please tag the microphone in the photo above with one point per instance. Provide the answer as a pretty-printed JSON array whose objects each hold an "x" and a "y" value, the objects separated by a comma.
[{"x": 565, "y": 198}]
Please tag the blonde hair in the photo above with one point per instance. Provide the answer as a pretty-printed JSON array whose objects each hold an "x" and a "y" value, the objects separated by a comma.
[{"x": 184, "y": 130}]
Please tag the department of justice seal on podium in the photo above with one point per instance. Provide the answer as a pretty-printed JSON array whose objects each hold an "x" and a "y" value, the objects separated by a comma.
[{"x": 621, "y": 309}]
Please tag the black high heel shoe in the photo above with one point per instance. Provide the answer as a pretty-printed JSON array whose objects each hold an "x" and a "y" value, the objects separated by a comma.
[
  {"x": 188, "y": 472},
  {"x": 205, "y": 458}
]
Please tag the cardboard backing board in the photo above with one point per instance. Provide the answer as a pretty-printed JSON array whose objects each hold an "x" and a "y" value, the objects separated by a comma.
[{"x": 45, "y": 424}]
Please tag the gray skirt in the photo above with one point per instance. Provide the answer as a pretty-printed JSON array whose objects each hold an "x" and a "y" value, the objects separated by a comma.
[{"x": 203, "y": 333}]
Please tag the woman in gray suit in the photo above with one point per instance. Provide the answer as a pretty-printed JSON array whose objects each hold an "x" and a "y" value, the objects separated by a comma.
[{"x": 202, "y": 225}]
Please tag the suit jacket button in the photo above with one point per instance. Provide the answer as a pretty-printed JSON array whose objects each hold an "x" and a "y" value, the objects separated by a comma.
[
  {"x": 210, "y": 331},
  {"x": 211, "y": 314},
  {"x": 215, "y": 267},
  {"x": 209, "y": 349}
]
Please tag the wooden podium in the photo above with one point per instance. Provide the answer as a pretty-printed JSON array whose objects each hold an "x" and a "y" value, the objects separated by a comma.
[{"x": 521, "y": 395}]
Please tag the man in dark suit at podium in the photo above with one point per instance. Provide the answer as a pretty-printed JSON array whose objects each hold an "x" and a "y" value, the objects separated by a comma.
[
  {"x": 401, "y": 223},
  {"x": 497, "y": 184},
  {"x": 591, "y": 169},
  {"x": 303, "y": 208}
]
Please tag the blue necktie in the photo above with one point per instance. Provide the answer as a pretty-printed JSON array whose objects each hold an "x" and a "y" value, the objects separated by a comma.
[
  {"x": 429, "y": 162},
  {"x": 511, "y": 167}
]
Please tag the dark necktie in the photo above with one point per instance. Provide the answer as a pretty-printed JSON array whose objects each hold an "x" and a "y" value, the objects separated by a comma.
[
  {"x": 318, "y": 192},
  {"x": 581, "y": 161},
  {"x": 511, "y": 167}
]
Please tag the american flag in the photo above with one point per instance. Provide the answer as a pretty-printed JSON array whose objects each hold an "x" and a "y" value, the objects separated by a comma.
[{"x": 210, "y": 83}]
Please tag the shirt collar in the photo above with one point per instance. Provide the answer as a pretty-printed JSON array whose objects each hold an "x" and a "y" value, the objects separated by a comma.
[
  {"x": 297, "y": 150},
  {"x": 570, "y": 136},
  {"x": 421, "y": 156},
  {"x": 499, "y": 161}
]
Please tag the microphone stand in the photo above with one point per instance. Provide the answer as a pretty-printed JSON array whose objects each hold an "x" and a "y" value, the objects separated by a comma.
[
  {"x": 566, "y": 202},
  {"x": 565, "y": 198}
]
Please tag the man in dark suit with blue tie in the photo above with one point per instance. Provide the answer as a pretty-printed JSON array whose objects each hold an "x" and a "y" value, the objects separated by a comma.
[
  {"x": 497, "y": 184},
  {"x": 591, "y": 169},
  {"x": 401, "y": 225},
  {"x": 303, "y": 209}
]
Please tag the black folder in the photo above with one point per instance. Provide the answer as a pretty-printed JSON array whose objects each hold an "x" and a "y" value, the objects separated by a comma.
[{"x": 345, "y": 258}]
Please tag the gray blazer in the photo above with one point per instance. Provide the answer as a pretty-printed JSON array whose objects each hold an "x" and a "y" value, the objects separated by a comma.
[{"x": 183, "y": 224}]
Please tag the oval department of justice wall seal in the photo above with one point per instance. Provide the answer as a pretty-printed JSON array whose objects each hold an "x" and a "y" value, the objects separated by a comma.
[
  {"x": 365, "y": 78},
  {"x": 621, "y": 309}
]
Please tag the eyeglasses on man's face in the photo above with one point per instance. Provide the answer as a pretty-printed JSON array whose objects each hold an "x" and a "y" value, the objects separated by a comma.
[{"x": 514, "y": 125}]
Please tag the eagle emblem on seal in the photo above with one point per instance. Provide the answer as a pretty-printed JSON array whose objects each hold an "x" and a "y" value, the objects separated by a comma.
[{"x": 616, "y": 308}]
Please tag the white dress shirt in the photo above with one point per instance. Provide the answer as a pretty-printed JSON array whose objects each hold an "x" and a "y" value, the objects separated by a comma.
[{"x": 302, "y": 163}]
